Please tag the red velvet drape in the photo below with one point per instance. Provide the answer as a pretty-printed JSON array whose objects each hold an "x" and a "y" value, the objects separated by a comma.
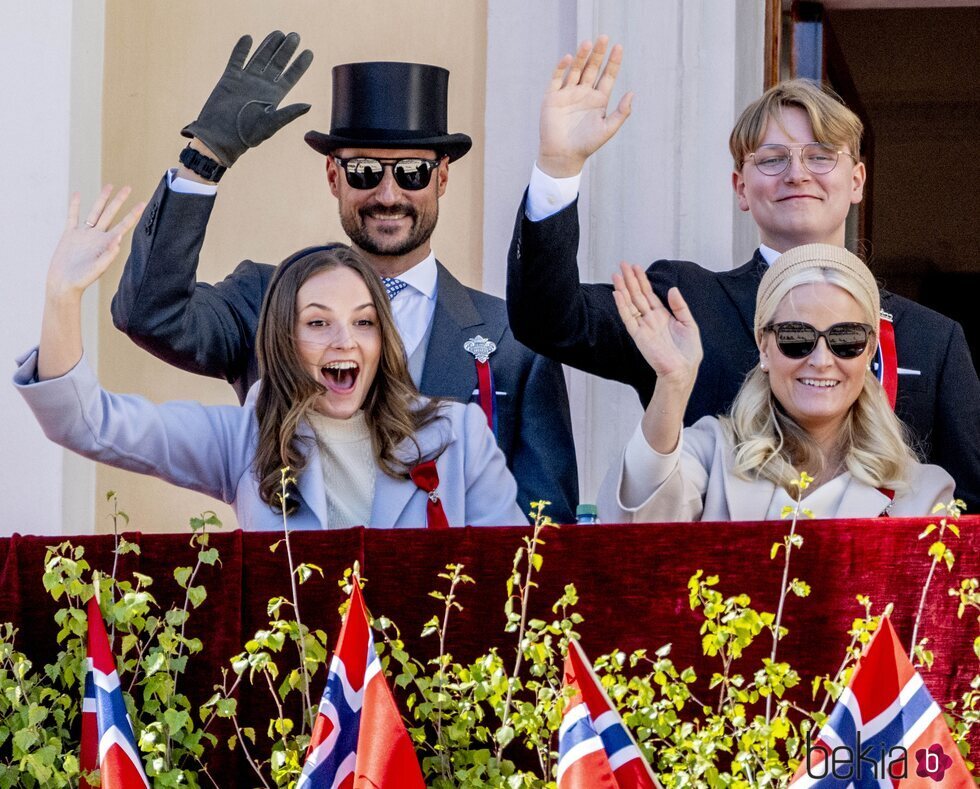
[{"x": 632, "y": 581}]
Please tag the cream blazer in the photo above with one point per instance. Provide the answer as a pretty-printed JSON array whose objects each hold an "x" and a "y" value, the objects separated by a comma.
[{"x": 696, "y": 482}]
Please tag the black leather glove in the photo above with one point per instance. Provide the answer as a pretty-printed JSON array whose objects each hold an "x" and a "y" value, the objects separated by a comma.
[{"x": 241, "y": 110}]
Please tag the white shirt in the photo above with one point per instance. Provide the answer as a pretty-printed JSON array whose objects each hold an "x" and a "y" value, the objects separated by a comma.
[{"x": 412, "y": 308}]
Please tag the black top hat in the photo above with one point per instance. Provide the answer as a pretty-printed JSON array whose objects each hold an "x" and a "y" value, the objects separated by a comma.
[{"x": 389, "y": 105}]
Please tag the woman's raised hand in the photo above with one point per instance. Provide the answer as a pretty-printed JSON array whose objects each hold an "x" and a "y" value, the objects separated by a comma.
[
  {"x": 85, "y": 251},
  {"x": 88, "y": 247},
  {"x": 671, "y": 344}
]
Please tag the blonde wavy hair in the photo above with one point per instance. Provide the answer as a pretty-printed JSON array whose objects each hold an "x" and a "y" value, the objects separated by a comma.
[
  {"x": 769, "y": 444},
  {"x": 832, "y": 121}
]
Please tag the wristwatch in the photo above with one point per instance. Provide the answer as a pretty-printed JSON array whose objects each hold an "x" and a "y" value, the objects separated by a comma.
[{"x": 204, "y": 166}]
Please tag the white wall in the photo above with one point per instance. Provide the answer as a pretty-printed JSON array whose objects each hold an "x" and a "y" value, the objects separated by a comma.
[
  {"x": 56, "y": 51},
  {"x": 661, "y": 188}
]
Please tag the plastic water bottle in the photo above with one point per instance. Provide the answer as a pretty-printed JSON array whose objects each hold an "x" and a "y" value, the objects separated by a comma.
[{"x": 586, "y": 514}]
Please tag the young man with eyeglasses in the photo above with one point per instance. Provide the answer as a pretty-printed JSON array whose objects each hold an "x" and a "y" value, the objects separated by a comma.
[
  {"x": 797, "y": 170},
  {"x": 387, "y": 163}
]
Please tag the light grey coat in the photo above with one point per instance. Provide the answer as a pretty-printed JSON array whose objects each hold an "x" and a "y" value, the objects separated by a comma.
[
  {"x": 696, "y": 482},
  {"x": 210, "y": 449}
]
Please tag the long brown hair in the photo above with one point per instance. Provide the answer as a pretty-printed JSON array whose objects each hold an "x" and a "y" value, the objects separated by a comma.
[{"x": 287, "y": 392}]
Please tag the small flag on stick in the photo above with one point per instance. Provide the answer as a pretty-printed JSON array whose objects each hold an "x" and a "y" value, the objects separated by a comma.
[
  {"x": 359, "y": 739},
  {"x": 108, "y": 743},
  {"x": 595, "y": 749},
  {"x": 885, "y": 729}
]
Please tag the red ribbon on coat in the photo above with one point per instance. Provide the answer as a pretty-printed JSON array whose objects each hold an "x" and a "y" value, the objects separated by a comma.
[
  {"x": 887, "y": 362},
  {"x": 891, "y": 498},
  {"x": 426, "y": 477},
  {"x": 488, "y": 400}
]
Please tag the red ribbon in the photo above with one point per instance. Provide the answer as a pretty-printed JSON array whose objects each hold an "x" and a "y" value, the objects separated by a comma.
[
  {"x": 891, "y": 497},
  {"x": 888, "y": 375},
  {"x": 484, "y": 377},
  {"x": 426, "y": 477}
]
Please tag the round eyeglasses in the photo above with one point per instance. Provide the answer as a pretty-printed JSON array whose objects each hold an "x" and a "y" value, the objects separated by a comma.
[{"x": 816, "y": 157}]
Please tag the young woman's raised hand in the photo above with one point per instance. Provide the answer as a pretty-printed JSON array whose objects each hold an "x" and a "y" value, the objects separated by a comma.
[
  {"x": 88, "y": 246},
  {"x": 670, "y": 343},
  {"x": 84, "y": 252}
]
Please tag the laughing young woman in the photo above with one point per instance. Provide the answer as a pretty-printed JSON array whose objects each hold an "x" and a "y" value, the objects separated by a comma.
[
  {"x": 335, "y": 404},
  {"x": 811, "y": 404}
]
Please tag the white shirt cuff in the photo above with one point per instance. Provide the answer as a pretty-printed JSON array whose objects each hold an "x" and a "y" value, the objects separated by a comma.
[
  {"x": 644, "y": 469},
  {"x": 547, "y": 195},
  {"x": 187, "y": 186}
]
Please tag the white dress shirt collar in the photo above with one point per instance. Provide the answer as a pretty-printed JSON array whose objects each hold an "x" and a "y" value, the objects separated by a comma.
[
  {"x": 769, "y": 254},
  {"x": 422, "y": 276}
]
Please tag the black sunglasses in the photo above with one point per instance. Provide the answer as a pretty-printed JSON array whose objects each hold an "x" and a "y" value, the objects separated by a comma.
[
  {"x": 410, "y": 174},
  {"x": 797, "y": 340}
]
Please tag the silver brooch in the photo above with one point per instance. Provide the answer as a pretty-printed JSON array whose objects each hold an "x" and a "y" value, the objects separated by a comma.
[{"x": 480, "y": 347}]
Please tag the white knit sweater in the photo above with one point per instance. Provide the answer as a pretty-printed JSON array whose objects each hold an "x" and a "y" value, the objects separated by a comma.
[{"x": 349, "y": 468}]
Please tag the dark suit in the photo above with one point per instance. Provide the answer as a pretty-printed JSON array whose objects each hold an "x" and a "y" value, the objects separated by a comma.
[
  {"x": 579, "y": 325},
  {"x": 210, "y": 330}
]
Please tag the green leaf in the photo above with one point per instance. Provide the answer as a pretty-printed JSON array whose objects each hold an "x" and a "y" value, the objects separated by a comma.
[
  {"x": 125, "y": 546},
  {"x": 182, "y": 575},
  {"x": 25, "y": 739},
  {"x": 154, "y": 662},
  {"x": 197, "y": 595},
  {"x": 927, "y": 530},
  {"x": 208, "y": 557},
  {"x": 504, "y": 736},
  {"x": 177, "y": 720}
]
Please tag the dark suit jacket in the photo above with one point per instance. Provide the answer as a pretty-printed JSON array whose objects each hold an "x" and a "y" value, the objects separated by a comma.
[
  {"x": 210, "y": 330},
  {"x": 576, "y": 324}
]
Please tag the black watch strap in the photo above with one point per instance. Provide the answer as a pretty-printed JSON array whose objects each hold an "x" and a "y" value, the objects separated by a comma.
[{"x": 204, "y": 166}]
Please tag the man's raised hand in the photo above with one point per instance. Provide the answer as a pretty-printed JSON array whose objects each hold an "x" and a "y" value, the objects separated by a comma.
[
  {"x": 241, "y": 111},
  {"x": 574, "y": 118}
]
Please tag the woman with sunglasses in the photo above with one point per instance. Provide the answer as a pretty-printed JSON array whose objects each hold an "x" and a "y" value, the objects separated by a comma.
[
  {"x": 811, "y": 405},
  {"x": 335, "y": 404}
]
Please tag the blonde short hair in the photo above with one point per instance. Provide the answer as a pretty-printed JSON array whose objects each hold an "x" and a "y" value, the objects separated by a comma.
[
  {"x": 768, "y": 442},
  {"x": 832, "y": 121}
]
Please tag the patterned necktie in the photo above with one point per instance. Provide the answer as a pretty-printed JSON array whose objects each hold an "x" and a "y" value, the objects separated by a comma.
[{"x": 393, "y": 286}]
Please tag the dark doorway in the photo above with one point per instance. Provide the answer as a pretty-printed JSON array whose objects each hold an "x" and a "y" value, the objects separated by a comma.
[{"x": 915, "y": 76}]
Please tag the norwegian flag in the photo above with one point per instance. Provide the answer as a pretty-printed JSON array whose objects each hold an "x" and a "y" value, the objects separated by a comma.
[
  {"x": 89, "y": 757},
  {"x": 358, "y": 739},
  {"x": 595, "y": 749},
  {"x": 108, "y": 744},
  {"x": 885, "y": 730}
]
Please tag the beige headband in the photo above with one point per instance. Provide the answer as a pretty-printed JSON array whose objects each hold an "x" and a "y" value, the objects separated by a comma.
[{"x": 814, "y": 256}]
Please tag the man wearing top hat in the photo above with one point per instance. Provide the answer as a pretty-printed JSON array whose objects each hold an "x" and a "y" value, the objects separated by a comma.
[{"x": 387, "y": 162}]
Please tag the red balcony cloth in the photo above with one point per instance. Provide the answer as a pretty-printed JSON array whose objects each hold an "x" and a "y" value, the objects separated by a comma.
[{"x": 632, "y": 583}]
